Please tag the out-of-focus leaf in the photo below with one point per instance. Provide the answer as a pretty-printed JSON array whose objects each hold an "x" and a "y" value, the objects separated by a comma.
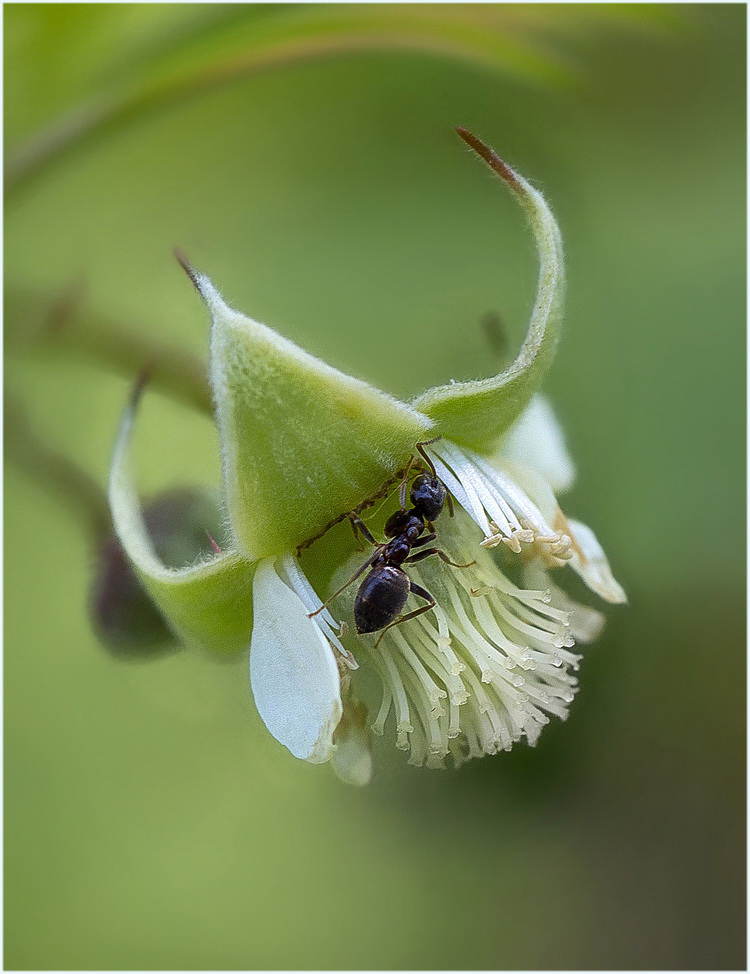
[{"x": 141, "y": 58}]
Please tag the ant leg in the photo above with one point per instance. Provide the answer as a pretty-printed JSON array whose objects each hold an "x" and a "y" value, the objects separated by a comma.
[
  {"x": 449, "y": 501},
  {"x": 355, "y": 532},
  {"x": 368, "y": 502},
  {"x": 441, "y": 554},
  {"x": 358, "y": 525},
  {"x": 404, "y": 482},
  {"x": 310, "y": 541},
  {"x": 354, "y": 578},
  {"x": 423, "y": 594},
  {"x": 425, "y": 540}
]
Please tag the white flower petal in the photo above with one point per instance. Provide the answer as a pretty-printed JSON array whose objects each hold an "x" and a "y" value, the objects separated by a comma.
[
  {"x": 583, "y": 552},
  {"x": 293, "y": 671},
  {"x": 588, "y": 559},
  {"x": 586, "y": 624},
  {"x": 536, "y": 440}
]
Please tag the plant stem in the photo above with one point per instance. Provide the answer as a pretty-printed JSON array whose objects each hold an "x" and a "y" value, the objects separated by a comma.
[
  {"x": 55, "y": 472},
  {"x": 61, "y": 323}
]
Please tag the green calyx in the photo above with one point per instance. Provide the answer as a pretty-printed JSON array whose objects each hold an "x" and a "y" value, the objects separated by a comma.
[
  {"x": 207, "y": 605},
  {"x": 478, "y": 413},
  {"x": 301, "y": 442}
]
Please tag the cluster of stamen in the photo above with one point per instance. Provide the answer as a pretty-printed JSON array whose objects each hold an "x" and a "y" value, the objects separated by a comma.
[
  {"x": 497, "y": 504},
  {"x": 481, "y": 671}
]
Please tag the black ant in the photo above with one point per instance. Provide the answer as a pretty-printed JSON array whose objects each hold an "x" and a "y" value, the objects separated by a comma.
[{"x": 383, "y": 593}]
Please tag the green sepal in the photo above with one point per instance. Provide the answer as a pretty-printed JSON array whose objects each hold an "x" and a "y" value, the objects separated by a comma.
[
  {"x": 208, "y": 604},
  {"x": 478, "y": 413},
  {"x": 301, "y": 442}
]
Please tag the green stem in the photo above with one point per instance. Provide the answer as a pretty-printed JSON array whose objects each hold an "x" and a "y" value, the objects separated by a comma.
[
  {"x": 54, "y": 472},
  {"x": 60, "y": 323}
]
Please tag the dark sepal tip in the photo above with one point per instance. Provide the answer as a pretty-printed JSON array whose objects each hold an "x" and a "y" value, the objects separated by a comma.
[
  {"x": 187, "y": 267},
  {"x": 489, "y": 155},
  {"x": 469, "y": 137}
]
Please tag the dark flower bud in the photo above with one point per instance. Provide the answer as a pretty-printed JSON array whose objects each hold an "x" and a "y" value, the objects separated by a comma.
[{"x": 182, "y": 525}]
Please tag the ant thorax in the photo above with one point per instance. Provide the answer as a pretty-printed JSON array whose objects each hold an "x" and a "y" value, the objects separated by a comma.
[
  {"x": 408, "y": 523},
  {"x": 395, "y": 552}
]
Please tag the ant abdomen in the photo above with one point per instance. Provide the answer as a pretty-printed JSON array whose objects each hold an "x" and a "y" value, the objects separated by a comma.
[{"x": 380, "y": 598}]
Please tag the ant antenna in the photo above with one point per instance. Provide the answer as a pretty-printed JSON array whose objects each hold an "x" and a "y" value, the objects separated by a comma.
[
  {"x": 425, "y": 456},
  {"x": 402, "y": 492}
]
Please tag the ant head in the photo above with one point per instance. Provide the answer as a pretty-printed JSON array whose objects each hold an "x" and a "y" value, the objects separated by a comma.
[{"x": 428, "y": 495}]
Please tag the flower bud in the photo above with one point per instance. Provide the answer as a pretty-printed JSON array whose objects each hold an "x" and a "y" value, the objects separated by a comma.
[{"x": 181, "y": 524}]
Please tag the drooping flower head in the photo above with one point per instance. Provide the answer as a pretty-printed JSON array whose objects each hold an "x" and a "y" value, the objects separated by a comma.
[{"x": 490, "y": 657}]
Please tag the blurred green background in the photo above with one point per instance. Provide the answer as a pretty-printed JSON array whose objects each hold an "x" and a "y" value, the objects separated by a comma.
[{"x": 305, "y": 158}]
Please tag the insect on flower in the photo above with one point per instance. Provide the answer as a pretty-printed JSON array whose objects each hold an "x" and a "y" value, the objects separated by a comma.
[
  {"x": 383, "y": 593},
  {"x": 482, "y": 661}
]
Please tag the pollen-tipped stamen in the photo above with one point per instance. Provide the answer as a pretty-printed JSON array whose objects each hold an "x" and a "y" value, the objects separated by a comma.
[
  {"x": 485, "y": 668},
  {"x": 497, "y": 504}
]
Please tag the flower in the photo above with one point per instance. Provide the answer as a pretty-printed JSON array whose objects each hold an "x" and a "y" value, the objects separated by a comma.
[
  {"x": 303, "y": 446},
  {"x": 494, "y": 659}
]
